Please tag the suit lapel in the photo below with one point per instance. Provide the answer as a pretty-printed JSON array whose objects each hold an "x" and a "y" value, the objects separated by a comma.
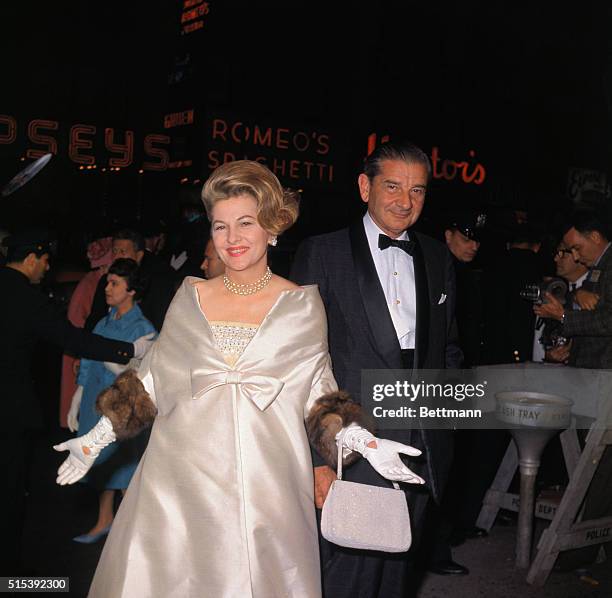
[
  {"x": 422, "y": 304},
  {"x": 373, "y": 298}
]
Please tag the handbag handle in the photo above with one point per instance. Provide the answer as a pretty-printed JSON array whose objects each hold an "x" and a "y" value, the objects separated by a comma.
[{"x": 339, "y": 466}]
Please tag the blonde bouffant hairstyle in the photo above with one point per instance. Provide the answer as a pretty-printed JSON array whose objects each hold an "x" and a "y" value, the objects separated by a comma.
[{"x": 277, "y": 208}]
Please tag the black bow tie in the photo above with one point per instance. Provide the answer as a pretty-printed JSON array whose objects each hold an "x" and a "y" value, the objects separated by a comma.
[{"x": 384, "y": 242}]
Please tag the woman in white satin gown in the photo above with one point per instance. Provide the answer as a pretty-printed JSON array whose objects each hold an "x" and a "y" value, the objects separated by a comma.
[{"x": 221, "y": 505}]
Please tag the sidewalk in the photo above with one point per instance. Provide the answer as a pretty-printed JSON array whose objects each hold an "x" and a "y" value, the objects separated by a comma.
[{"x": 493, "y": 574}]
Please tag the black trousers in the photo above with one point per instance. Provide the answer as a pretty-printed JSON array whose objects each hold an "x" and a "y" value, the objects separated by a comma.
[{"x": 349, "y": 573}]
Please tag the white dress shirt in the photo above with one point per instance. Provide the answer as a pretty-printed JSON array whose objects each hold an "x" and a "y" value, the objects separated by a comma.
[{"x": 395, "y": 269}]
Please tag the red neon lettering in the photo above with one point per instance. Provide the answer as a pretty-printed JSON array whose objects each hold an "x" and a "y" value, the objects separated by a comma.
[
  {"x": 276, "y": 166},
  {"x": 324, "y": 146},
  {"x": 11, "y": 129},
  {"x": 293, "y": 169},
  {"x": 305, "y": 145},
  {"x": 49, "y": 142},
  {"x": 219, "y": 129},
  {"x": 213, "y": 159},
  {"x": 477, "y": 177},
  {"x": 281, "y": 142},
  {"x": 234, "y": 132},
  {"x": 193, "y": 27},
  {"x": 77, "y": 143},
  {"x": 265, "y": 139},
  {"x": 126, "y": 150},
  {"x": 156, "y": 152}
]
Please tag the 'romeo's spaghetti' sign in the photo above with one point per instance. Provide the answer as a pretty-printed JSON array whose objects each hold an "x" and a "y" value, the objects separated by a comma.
[{"x": 294, "y": 153}]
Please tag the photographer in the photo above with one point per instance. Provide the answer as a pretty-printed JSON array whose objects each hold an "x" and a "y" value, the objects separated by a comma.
[
  {"x": 590, "y": 330},
  {"x": 590, "y": 326},
  {"x": 548, "y": 343}
]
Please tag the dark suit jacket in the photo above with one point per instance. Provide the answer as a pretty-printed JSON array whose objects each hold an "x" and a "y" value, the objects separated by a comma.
[
  {"x": 361, "y": 332},
  {"x": 509, "y": 319},
  {"x": 26, "y": 316},
  {"x": 161, "y": 284},
  {"x": 591, "y": 331}
]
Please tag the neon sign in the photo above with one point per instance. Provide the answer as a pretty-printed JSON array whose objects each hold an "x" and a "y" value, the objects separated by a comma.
[
  {"x": 447, "y": 169},
  {"x": 85, "y": 142},
  {"x": 294, "y": 153},
  {"x": 192, "y": 16}
]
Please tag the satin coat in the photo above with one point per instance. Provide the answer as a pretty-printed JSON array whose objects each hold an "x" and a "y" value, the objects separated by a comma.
[{"x": 222, "y": 501}]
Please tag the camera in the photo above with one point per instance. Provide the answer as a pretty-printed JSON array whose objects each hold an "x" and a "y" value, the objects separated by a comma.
[{"x": 536, "y": 292}]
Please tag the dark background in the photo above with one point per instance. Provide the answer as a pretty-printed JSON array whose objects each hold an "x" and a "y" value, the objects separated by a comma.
[{"x": 524, "y": 88}]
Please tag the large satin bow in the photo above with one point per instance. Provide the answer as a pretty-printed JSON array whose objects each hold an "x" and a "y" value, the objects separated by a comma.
[{"x": 262, "y": 390}]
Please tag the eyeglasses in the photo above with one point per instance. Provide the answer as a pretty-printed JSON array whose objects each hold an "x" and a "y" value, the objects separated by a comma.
[{"x": 562, "y": 252}]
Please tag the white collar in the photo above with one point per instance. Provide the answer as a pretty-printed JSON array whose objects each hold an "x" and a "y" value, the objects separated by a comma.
[{"x": 372, "y": 231}]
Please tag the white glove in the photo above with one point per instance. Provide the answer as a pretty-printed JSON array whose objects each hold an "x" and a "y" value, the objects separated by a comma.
[
  {"x": 83, "y": 451},
  {"x": 143, "y": 344},
  {"x": 384, "y": 458},
  {"x": 73, "y": 412},
  {"x": 116, "y": 368}
]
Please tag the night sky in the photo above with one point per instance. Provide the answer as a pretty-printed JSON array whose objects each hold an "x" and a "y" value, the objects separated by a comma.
[{"x": 520, "y": 90}]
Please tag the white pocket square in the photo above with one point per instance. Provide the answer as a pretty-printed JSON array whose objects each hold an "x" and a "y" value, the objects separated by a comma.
[{"x": 442, "y": 299}]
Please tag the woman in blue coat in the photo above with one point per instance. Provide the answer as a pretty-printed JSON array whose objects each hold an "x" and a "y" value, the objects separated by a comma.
[{"x": 116, "y": 465}]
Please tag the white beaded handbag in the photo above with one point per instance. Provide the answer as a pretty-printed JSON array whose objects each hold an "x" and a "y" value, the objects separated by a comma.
[{"x": 364, "y": 516}]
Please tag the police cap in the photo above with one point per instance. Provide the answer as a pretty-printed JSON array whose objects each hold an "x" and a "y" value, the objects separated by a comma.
[
  {"x": 470, "y": 224},
  {"x": 34, "y": 240}
]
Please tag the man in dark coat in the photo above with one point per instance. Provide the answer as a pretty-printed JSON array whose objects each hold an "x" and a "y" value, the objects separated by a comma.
[
  {"x": 161, "y": 280},
  {"x": 389, "y": 297},
  {"x": 462, "y": 236},
  {"x": 509, "y": 319},
  {"x": 590, "y": 332},
  {"x": 26, "y": 317}
]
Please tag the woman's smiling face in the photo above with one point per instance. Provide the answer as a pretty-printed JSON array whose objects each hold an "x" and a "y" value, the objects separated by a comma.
[{"x": 239, "y": 239}]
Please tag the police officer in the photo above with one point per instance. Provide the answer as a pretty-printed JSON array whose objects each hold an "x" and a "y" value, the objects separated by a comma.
[
  {"x": 462, "y": 232},
  {"x": 462, "y": 235},
  {"x": 26, "y": 316}
]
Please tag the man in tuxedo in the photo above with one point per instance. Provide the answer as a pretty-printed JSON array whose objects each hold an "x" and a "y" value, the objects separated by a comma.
[{"x": 389, "y": 294}]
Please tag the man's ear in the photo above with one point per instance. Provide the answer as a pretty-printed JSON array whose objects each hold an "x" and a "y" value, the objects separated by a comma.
[
  {"x": 595, "y": 236},
  {"x": 448, "y": 234},
  {"x": 364, "y": 187},
  {"x": 139, "y": 256}
]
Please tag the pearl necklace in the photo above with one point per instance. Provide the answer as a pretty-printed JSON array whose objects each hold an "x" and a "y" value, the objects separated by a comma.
[{"x": 248, "y": 288}]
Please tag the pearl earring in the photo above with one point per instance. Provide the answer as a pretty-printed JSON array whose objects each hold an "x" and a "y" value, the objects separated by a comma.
[{"x": 273, "y": 241}]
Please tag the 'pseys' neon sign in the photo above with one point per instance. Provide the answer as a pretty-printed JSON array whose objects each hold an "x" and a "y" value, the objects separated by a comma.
[
  {"x": 88, "y": 144},
  {"x": 467, "y": 171}
]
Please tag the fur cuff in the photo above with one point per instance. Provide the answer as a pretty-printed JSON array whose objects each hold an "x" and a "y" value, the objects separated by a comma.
[
  {"x": 127, "y": 404},
  {"x": 328, "y": 416}
]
